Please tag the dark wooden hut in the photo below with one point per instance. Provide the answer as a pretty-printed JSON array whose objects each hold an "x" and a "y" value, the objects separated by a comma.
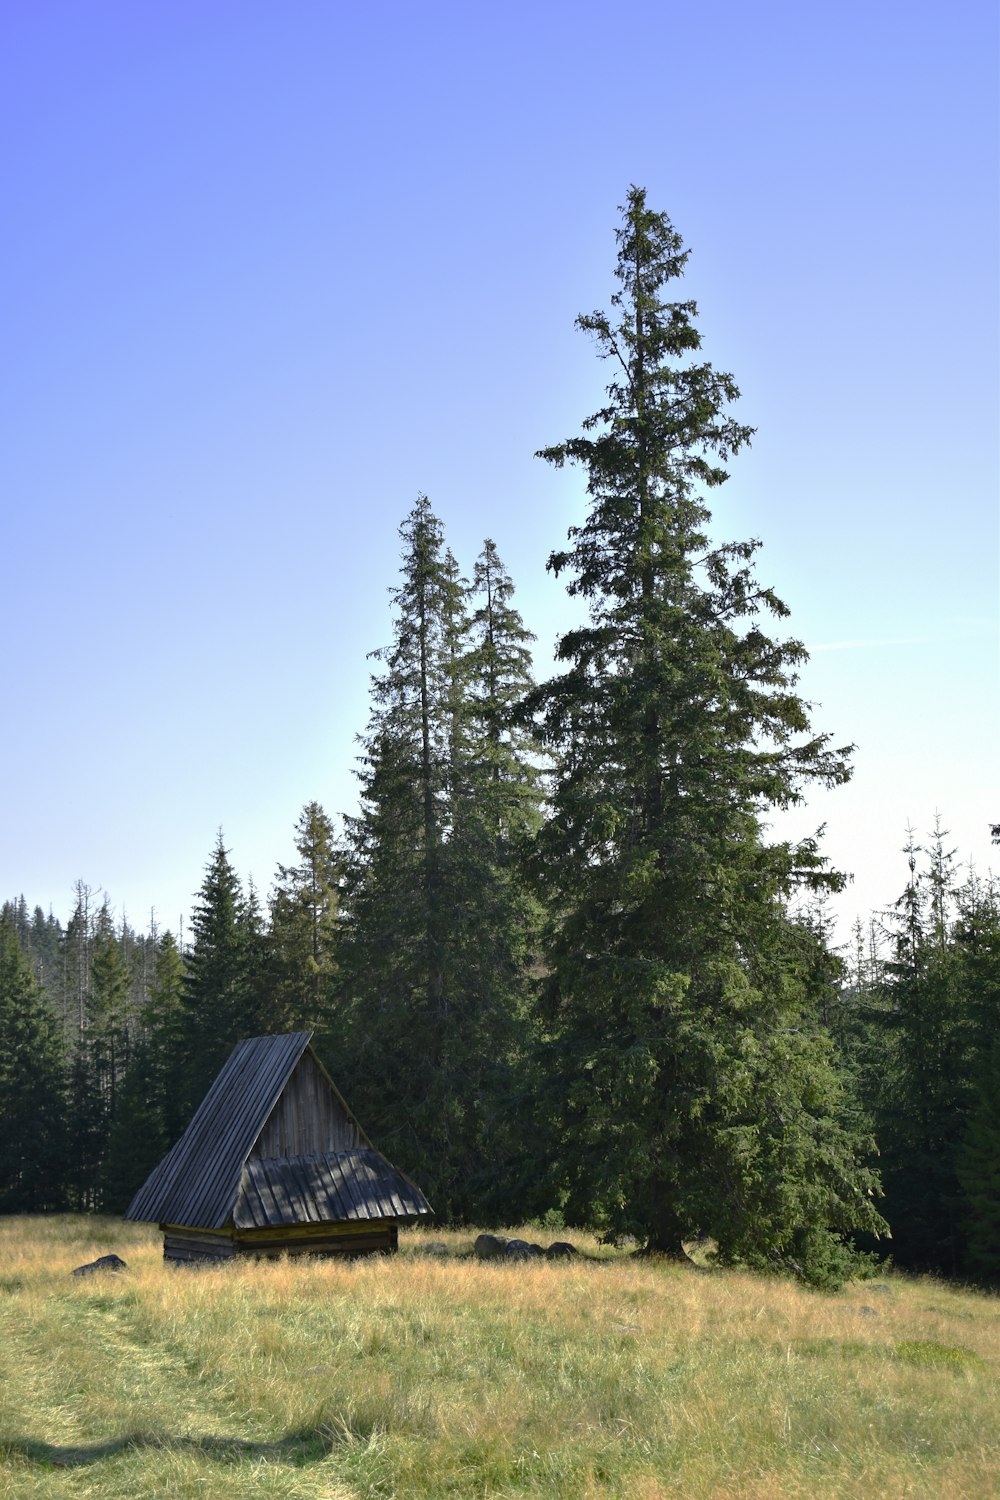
[{"x": 273, "y": 1161}]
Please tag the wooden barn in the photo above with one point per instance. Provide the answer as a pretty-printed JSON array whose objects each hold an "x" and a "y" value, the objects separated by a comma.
[{"x": 273, "y": 1161}]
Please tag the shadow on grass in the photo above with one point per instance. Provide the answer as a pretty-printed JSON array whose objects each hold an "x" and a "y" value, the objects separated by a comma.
[{"x": 308, "y": 1445}]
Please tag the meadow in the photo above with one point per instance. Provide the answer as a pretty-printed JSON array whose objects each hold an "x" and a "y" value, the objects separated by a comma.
[{"x": 424, "y": 1376}]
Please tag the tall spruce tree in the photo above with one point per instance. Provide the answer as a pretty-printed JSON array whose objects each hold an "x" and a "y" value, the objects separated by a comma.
[
  {"x": 497, "y": 794},
  {"x": 702, "y": 1094},
  {"x": 397, "y": 907},
  {"x": 432, "y": 959}
]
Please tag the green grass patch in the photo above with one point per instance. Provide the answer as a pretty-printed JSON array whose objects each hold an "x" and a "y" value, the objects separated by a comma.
[{"x": 927, "y": 1352}]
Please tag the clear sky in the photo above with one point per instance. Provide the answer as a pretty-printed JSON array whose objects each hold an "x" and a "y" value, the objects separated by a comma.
[{"x": 270, "y": 270}]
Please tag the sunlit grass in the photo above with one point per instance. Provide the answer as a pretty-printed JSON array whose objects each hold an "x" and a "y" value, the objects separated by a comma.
[{"x": 423, "y": 1376}]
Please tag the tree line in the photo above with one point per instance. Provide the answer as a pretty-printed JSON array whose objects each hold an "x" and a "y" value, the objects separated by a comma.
[{"x": 554, "y": 960}]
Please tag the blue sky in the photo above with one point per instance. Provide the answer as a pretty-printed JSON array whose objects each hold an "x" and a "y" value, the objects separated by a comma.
[{"x": 270, "y": 271}]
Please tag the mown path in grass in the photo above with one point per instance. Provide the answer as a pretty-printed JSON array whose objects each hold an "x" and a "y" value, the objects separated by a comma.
[
  {"x": 425, "y": 1377},
  {"x": 103, "y": 1397}
]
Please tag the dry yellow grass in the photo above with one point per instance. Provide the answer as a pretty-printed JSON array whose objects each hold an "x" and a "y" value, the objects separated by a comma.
[{"x": 416, "y": 1376}]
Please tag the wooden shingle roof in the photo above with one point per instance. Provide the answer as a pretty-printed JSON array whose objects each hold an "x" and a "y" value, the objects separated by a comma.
[
  {"x": 206, "y": 1181},
  {"x": 338, "y": 1187}
]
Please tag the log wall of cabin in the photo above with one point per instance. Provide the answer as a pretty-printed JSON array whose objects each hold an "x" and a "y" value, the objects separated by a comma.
[
  {"x": 308, "y": 1119},
  {"x": 319, "y": 1239},
  {"x": 182, "y": 1243}
]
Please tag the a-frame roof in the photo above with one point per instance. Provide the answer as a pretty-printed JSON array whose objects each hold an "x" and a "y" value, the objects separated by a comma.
[{"x": 198, "y": 1182}]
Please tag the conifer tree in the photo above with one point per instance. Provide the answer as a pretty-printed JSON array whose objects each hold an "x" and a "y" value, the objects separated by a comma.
[
  {"x": 222, "y": 975},
  {"x": 33, "y": 1142},
  {"x": 76, "y": 960},
  {"x": 933, "y": 1076},
  {"x": 41, "y": 937},
  {"x": 163, "y": 1023},
  {"x": 97, "y": 1007},
  {"x": 434, "y": 929},
  {"x": 921, "y": 1076},
  {"x": 702, "y": 1095},
  {"x": 149, "y": 1116},
  {"x": 136, "y": 1139},
  {"x": 495, "y": 929},
  {"x": 395, "y": 964},
  {"x": 976, "y": 936},
  {"x": 304, "y": 928},
  {"x": 107, "y": 1018},
  {"x": 499, "y": 666},
  {"x": 979, "y": 1173}
]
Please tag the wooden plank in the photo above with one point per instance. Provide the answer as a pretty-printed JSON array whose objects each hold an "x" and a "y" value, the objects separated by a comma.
[
  {"x": 309, "y": 1118},
  {"x": 271, "y": 1174},
  {"x": 302, "y": 1232},
  {"x": 366, "y": 1182},
  {"x": 298, "y": 1192},
  {"x": 361, "y": 1143},
  {"x": 183, "y": 1245},
  {"x": 249, "y": 1204},
  {"x": 272, "y": 1211},
  {"x": 340, "y": 1177},
  {"x": 323, "y": 1194}
]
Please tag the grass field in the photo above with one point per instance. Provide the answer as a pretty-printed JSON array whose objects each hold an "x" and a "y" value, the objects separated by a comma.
[{"x": 415, "y": 1377}]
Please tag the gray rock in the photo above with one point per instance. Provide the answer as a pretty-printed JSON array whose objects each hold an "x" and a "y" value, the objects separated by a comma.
[
  {"x": 522, "y": 1250},
  {"x": 102, "y": 1263},
  {"x": 561, "y": 1250},
  {"x": 868, "y": 1312},
  {"x": 490, "y": 1247},
  {"x": 435, "y": 1247}
]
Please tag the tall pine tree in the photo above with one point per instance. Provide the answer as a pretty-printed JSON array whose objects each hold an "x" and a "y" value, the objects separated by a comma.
[{"x": 702, "y": 1093}]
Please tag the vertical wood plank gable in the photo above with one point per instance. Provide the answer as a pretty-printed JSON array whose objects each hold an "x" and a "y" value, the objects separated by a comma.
[{"x": 308, "y": 1119}]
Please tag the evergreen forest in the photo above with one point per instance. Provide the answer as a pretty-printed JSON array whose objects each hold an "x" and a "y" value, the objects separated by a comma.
[{"x": 555, "y": 960}]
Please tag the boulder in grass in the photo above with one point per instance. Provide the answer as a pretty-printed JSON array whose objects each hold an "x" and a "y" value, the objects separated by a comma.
[
  {"x": 561, "y": 1250},
  {"x": 490, "y": 1247},
  {"x": 522, "y": 1250},
  {"x": 102, "y": 1263}
]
